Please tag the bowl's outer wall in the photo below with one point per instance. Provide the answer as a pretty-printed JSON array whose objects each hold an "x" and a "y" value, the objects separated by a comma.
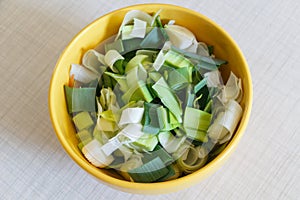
[{"x": 107, "y": 25}]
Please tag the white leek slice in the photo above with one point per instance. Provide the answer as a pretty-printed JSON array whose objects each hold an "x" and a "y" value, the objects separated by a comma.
[
  {"x": 112, "y": 145},
  {"x": 213, "y": 79},
  {"x": 192, "y": 160},
  {"x": 94, "y": 154},
  {"x": 193, "y": 47},
  {"x": 93, "y": 60},
  {"x": 169, "y": 142},
  {"x": 233, "y": 88},
  {"x": 82, "y": 74},
  {"x": 224, "y": 125},
  {"x": 132, "y": 131},
  {"x": 131, "y": 115},
  {"x": 180, "y": 36},
  {"x": 111, "y": 57},
  {"x": 134, "y": 14},
  {"x": 139, "y": 28},
  {"x": 202, "y": 49},
  {"x": 160, "y": 59}
]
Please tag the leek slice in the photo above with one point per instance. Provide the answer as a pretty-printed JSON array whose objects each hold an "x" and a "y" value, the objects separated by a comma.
[
  {"x": 136, "y": 74},
  {"x": 108, "y": 100},
  {"x": 149, "y": 172},
  {"x": 134, "y": 14},
  {"x": 106, "y": 125},
  {"x": 192, "y": 160},
  {"x": 200, "y": 85},
  {"x": 180, "y": 36},
  {"x": 82, "y": 74},
  {"x": 203, "y": 49},
  {"x": 146, "y": 143},
  {"x": 131, "y": 45},
  {"x": 139, "y": 28},
  {"x": 224, "y": 125},
  {"x": 179, "y": 78},
  {"x": 80, "y": 99},
  {"x": 174, "y": 172},
  {"x": 133, "y": 162},
  {"x": 169, "y": 142},
  {"x": 176, "y": 60},
  {"x": 136, "y": 61},
  {"x": 151, "y": 54},
  {"x": 214, "y": 79},
  {"x": 196, "y": 119},
  {"x": 83, "y": 120},
  {"x": 233, "y": 88},
  {"x": 151, "y": 123},
  {"x": 116, "y": 45},
  {"x": 121, "y": 79},
  {"x": 84, "y": 135},
  {"x": 131, "y": 115},
  {"x": 155, "y": 39},
  {"x": 111, "y": 57},
  {"x": 158, "y": 152},
  {"x": 93, "y": 61},
  {"x": 94, "y": 154},
  {"x": 138, "y": 92},
  {"x": 168, "y": 98}
]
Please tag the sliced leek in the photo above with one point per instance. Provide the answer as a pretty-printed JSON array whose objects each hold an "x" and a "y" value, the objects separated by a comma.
[{"x": 151, "y": 104}]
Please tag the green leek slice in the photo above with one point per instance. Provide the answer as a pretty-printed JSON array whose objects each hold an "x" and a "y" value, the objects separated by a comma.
[
  {"x": 83, "y": 120},
  {"x": 116, "y": 45},
  {"x": 155, "y": 39},
  {"x": 80, "y": 99},
  {"x": 146, "y": 143},
  {"x": 136, "y": 61},
  {"x": 84, "y": 135},
  {"x": 196, "y": 119},
  {"x": 149, "y": 172},
  {"x": 168, "y": 98},
  {"x": 150, "y": 120},
  {"x": 138, "y": 92},
  {"x": 158, "y": 152},
  {"x": 121, "y": 79},
  {"x": 176, "y": 60},
  {"x": 133, "y": 162}
]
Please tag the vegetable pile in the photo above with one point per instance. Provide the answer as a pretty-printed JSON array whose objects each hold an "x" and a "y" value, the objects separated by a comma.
[{"x": 152, "y": 104}]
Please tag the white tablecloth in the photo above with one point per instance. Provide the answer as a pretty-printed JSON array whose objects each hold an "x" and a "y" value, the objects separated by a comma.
[{"x": 34, "y": 165}]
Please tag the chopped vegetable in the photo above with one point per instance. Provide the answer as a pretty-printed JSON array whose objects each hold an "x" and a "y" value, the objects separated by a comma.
[{"x": 152, "y": 105}]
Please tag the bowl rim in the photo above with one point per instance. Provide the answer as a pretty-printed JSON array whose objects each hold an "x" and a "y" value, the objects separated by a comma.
[{"x": 184, "y": 181}]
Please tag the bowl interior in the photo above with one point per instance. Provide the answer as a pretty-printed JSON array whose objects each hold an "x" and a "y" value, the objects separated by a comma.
[{"x": 106, "y": 26}]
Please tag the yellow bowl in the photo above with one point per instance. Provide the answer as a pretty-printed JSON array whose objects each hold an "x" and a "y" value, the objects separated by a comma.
[{"x": 205, "y": 30}]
